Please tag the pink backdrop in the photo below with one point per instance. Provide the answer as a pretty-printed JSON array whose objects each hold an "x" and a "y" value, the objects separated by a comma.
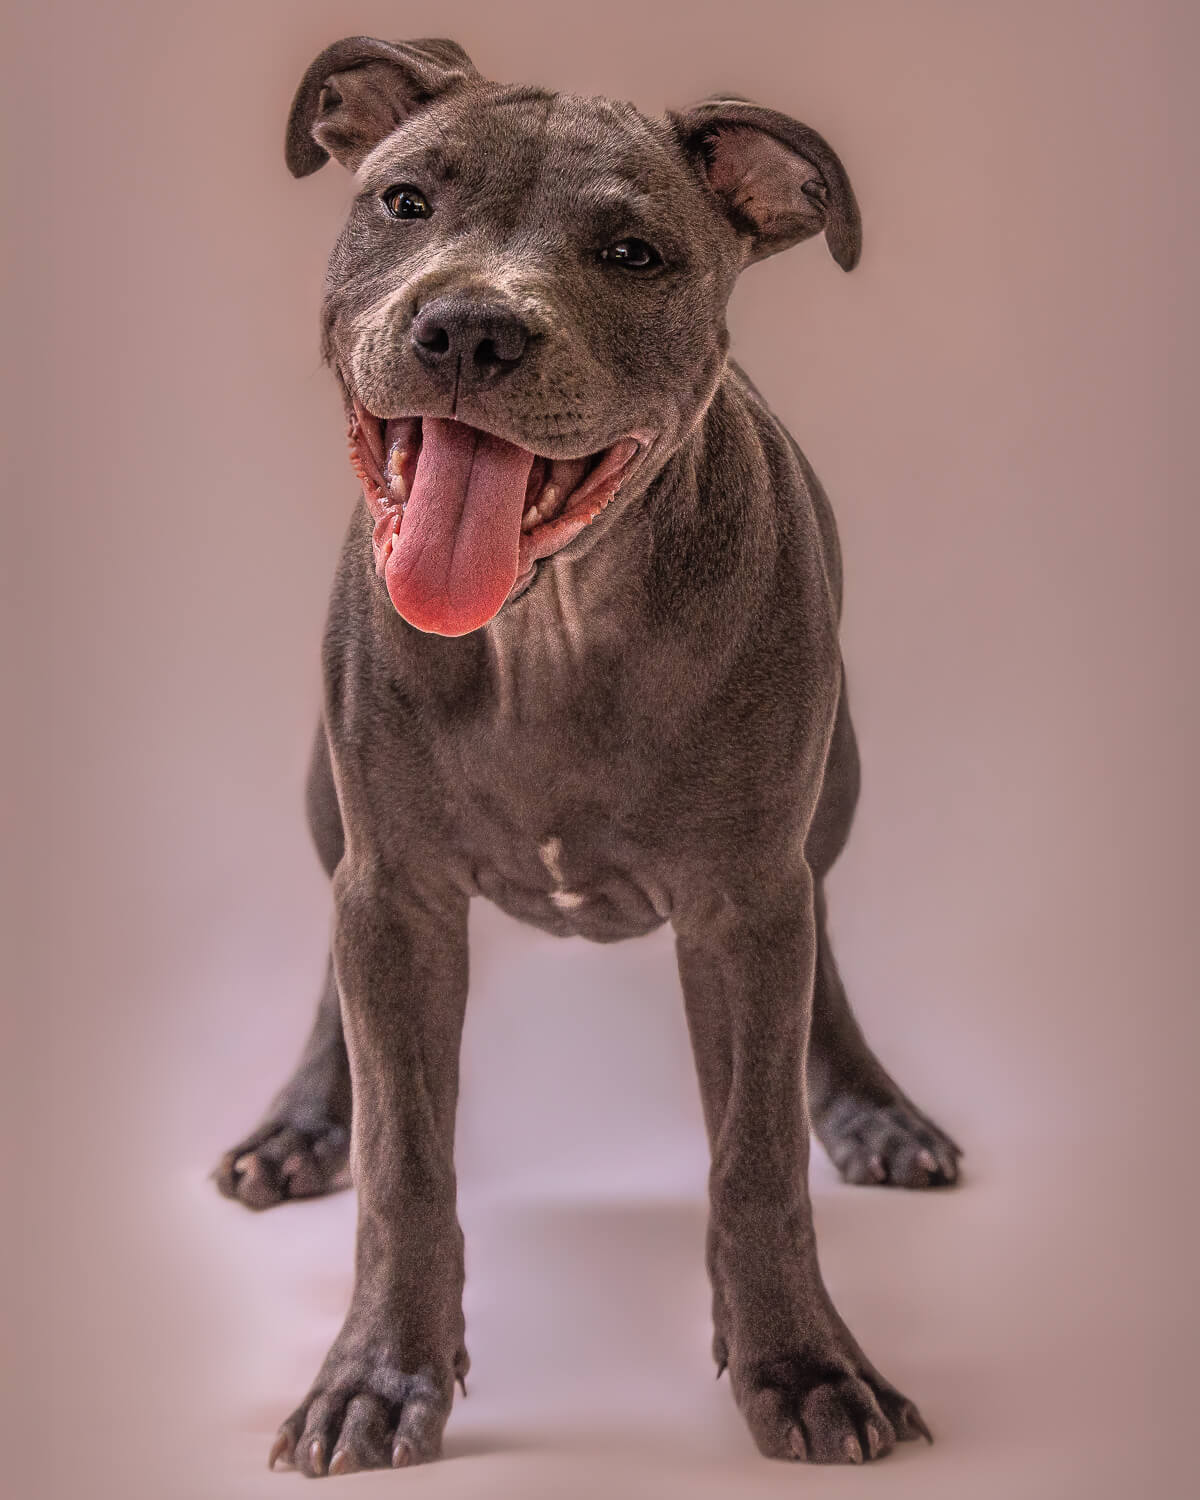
[{"x": 986, "y": 401}]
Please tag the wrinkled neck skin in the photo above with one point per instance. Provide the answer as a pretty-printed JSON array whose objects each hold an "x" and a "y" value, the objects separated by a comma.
[{"x": 658, "y": 597}]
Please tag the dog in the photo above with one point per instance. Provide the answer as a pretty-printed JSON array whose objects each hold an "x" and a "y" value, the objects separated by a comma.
[{"x": 581, "y": 659}]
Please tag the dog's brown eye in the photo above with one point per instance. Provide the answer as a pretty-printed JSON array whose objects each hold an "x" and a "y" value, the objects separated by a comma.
[
  {"x": 633, "y": 255},
  {"x": 405, "y": 202}
]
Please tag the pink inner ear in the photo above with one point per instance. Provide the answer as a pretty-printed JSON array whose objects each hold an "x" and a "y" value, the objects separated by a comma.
[
  {"x": 358, "y": 108},
  {"x": 762, "y": 179}
]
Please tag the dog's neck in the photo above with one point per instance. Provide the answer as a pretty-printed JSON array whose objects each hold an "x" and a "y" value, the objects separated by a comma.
[{"x": 629, "y": 601}]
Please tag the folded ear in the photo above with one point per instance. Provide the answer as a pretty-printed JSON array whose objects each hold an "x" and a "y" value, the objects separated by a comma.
[
  {"x": 359, "y": 90},
  {"x": 776, "y": 180}
]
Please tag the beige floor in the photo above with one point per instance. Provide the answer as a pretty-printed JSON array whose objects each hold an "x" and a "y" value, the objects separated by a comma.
[
  {"x": 591, "y": 1374},
  {"x": 1029, "y": 1312}
]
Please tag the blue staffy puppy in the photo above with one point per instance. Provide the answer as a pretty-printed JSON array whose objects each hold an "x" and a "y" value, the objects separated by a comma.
[{"x": 582, "y": 659}]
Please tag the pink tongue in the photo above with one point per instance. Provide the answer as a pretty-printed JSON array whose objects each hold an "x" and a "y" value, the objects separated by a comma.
[{"x": 455, "y": 559}]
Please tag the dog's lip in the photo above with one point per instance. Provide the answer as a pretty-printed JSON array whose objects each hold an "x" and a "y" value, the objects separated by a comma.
[
  {"x": 643, "y": 437},
  {"x": 610, "y": 467}
]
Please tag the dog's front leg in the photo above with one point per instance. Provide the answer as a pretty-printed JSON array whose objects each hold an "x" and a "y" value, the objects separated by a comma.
[
  {"x": 384, "y": 1392},
  {"x": 746, "y": 951}
]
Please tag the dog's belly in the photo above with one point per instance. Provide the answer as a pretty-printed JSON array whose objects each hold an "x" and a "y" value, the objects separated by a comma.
[{"x": 598, "y": 902}]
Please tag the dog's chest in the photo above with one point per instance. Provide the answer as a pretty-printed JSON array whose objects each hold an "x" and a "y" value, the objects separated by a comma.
[
  {"x": 550, "y": 851},
  {"x": 551, "y": 795}
]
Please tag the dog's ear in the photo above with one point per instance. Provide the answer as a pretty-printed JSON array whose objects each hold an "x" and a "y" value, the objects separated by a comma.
[
  {"x": 776, "y": 180},
  {"x": 359, "y": 89}
]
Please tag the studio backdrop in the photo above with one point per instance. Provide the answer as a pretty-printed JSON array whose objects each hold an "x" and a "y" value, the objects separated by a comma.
[{"x": 985, "y": 399}]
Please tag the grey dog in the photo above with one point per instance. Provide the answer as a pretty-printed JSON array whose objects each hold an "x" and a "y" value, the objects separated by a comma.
[{"x": 582, "y": 659}]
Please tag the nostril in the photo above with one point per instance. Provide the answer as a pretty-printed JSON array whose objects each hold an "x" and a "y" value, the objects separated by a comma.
[
  {"x": 435, "y": 339},
  {"x": 502, "y": 348},
  {"x": 487, "y": 338}
]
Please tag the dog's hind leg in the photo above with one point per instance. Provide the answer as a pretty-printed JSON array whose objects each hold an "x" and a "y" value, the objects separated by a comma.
[
  {"x": 300, "y": 1149},
  {"x": 871, "y": 1130}
]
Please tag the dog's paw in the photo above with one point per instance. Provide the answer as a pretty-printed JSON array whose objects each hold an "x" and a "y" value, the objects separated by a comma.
[
  {"x": 281, "y": 1160},
  {"x": 822, "y": 1414},
  {"x": 893, "y": 1143},
  {"x": 364, "y": 1414}
]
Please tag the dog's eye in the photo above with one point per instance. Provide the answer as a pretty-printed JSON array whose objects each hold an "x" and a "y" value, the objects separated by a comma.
[
  {"x": 404, "y": 202},
  {"x": 632, "y": 255}
]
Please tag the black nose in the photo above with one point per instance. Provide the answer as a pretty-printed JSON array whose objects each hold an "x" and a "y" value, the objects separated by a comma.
[{"x": 485, "y": 337}]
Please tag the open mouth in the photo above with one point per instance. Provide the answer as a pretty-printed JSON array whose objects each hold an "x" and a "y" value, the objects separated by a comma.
[{"x": 462, "y": 516}]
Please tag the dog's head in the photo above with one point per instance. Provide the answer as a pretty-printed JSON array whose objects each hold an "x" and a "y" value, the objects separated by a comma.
[{"x": 526, "y": 307}]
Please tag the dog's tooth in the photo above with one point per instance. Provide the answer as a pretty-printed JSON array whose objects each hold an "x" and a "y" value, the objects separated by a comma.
[
  {"x": 397, "y": 484},
  {"x": 530, "y": 519},
  {"x": 550, "y": 499}
]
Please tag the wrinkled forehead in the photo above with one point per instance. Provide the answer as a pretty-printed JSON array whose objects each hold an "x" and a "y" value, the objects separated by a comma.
[{"x": 532, "y": 147}]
